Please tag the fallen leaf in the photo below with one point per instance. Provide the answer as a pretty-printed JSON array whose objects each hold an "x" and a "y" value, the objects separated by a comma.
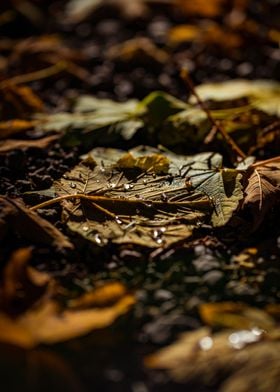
[
  {"x": 262, "y": 189},
  {"x": 235, "y": 315},
  {"x": 239, "y": 357},
  {"x": 21, "y": 144},
  {"x": 100, "y": 297},
  {"x": 22, "y": 285},
  {"x": 78, "y": 10},
  {"x": 15, "y": 217},
  {"x": 143, "y": 206},
  {"x": 47, "y": 322},
  {"x": 210, "y": 9},
  {"x": 13, "y": 127},
  {"x": 95, "y": 119},
  {"x": 208, "y": 34},
  {"x": 261, "y": 94}
]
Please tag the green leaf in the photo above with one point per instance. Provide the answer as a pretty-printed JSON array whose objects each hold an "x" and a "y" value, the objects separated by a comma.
[
  {"x": 158, "y": 106},
  {"x": 109, "y": 120}
]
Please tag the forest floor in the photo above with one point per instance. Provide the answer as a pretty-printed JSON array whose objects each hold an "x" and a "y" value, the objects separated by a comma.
[{"x": 108, "y": 257}]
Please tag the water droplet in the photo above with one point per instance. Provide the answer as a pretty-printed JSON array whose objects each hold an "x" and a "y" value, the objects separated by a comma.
[
  {"x": 157, "y": 235},
  {"x": 73, "y": 185},
  {"x": 127, "y": 186},
  {"x": 118, "y": 220},
  {"x": 98, "y": 239},
  {"x": 65, "y": 176},
  {"x": 112, "y": 185},
  {"x": 206, "y": 343},
  {"x": 240, "y": 339},
  {"x": 148, "y": 204},
  {"x": 85, "y": 228},
  {"x": 145, "y": 182}
]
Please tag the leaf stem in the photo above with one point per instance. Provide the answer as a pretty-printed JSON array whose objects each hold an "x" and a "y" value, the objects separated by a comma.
[
  {"x": 96, "y": 199},
  {"x": 186, "y": 77}
]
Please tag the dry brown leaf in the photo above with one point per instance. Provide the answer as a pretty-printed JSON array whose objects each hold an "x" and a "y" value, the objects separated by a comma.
[
  {"x": 235, "y": 315},
  {"x": 41, "y": 318},
  {"x": 22, "y": 285},
  {"x": 15, "y": 217},
  {"x": 18, "y": 144},
  {"x": 102, "y": 296},
  {"x": 22, "y": 98},
  {"x": 243, "y": 359},
  {"x": 209, "y": 8},
  {"x": 263, "y": 187},
  {"x": 210, "y": 34},
  {"x": 48, "y": 323},
  {"x": 13, "y": 127}
]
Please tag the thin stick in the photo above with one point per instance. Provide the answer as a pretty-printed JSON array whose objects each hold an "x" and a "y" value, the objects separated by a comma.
[
  {"x": 36, "y": 75},
  {"x": 97, "y": 199},
  {"x": 185, "y": 76}
]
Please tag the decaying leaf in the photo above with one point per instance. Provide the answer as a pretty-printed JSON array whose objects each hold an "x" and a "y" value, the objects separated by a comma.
[
  {"x": 209, "y": 34},
  {"x": 30, "y": 314},
  {"x": 210, "y": 9},
  {"x": 263, "y": 187},
  {"x": 25, "y": 144},
  {"x": 235, "y": 315},
  {"x": 13, "y": 127},
  {"x": 29, "y": 225},
  {"x": 261, "y": 94},
  {"x": 21, "y": 101},
  {"x": 146, "y": 197},
  {"x": 48, "y": 322},
  {"x": 22, "y": 285},
  {"x": 78, "y": 10},
  {"x": 243, "y": 358},
  {"x": 138, "y": 197}
]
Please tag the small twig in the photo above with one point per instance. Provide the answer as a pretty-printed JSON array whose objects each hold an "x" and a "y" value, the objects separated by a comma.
[
  {"x": 185, "y": 76},
  {"x": 36, "y": 75},
  {"x": 211, "y": 135}
]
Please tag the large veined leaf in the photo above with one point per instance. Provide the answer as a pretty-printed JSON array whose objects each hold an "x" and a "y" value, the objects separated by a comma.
[
  {"x": 146, "y": 197},
  {"x": 261, "y": 94},
  {"x": 137, "y": 197}
]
